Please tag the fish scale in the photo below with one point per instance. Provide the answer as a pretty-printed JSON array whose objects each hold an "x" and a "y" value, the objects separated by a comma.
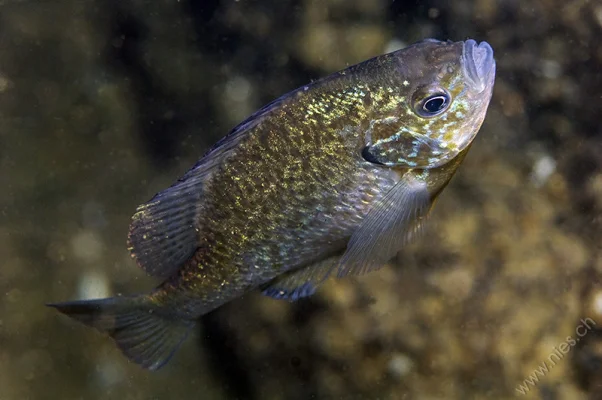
[{"x": 331, "y": 179}]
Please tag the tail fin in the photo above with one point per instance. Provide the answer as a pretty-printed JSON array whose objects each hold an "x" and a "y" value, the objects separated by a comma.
[{"x": 144, "y": 335}]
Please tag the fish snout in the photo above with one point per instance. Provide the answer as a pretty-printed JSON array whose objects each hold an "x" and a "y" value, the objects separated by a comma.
[{"x": 478, "y": 63}]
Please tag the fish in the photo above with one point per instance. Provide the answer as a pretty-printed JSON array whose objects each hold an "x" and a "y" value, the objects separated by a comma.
[{"x": 329, "y": 180}]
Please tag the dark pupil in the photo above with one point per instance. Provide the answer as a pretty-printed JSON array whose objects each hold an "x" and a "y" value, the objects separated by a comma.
[{"x": 434, "y": 104}]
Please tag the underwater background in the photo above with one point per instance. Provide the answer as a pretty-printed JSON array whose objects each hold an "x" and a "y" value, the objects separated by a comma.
[{"x": 104, "y": 103}]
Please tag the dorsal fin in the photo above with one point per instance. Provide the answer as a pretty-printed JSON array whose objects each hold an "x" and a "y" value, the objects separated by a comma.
[{"x": 163, "y": 233}]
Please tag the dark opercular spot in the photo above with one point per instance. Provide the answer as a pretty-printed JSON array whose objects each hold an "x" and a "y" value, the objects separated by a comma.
[
  {"x": 434, "y": 104},
  {"x": 368, "y": 156}
]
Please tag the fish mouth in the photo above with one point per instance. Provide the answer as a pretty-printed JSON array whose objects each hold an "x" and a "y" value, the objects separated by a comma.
[{"x": 478, "y": 63}]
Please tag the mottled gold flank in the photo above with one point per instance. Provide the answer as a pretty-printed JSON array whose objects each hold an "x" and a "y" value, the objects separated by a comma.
[
  {"x": 295, "y": 186},
  {"x": 262, "y": 202}
]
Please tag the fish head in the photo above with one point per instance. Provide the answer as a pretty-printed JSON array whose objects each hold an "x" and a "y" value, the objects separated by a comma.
[{"x": 441, "y": 91}]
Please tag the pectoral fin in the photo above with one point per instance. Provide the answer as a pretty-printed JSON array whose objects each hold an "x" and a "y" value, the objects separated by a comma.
[
  {"x": 390, "y": 224},
  {"x": 301, "y": 282}
]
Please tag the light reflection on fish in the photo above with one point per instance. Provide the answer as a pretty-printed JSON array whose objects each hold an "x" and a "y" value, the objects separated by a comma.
[{"x": 330, "y": 179}]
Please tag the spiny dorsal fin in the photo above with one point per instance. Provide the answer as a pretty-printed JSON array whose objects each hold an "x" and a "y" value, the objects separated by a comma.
[{"x": 164, "y": 233}]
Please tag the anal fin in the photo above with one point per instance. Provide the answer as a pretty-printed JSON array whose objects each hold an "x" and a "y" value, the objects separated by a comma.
[{"x": 299, "y": 283}]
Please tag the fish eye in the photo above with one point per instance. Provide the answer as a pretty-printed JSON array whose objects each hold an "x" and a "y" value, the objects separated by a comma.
[
  {"x": 434, "y": 105},
  {"x": 430, "y": 103}
]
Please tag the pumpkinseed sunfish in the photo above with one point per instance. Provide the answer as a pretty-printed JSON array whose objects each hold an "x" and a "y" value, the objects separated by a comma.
[{"x": 330, "y": 179}]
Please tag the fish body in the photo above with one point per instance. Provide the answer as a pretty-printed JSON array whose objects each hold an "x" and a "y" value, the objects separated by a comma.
[{"x": 330, "y": 179}]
